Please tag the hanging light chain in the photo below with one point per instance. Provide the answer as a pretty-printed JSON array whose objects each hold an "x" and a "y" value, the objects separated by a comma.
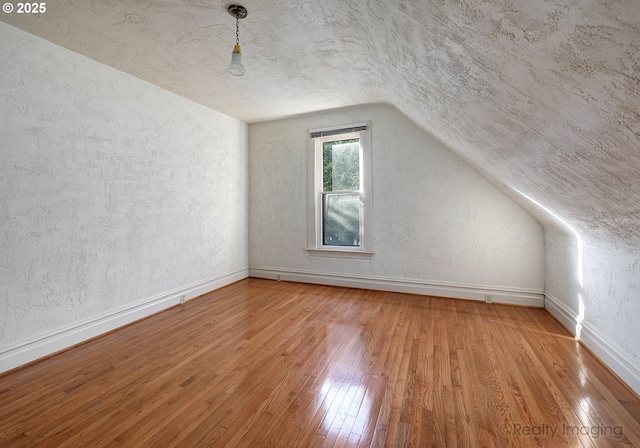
[{"x": 237, "y": 30}]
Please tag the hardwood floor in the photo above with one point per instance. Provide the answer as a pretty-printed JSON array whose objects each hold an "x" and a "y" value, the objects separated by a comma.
[{"x": 276, "y": 364}]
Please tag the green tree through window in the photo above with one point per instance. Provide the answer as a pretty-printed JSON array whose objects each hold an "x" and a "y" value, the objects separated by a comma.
[
  {"x": 341, "y": 165},
  {"x": 341, "y": 210}
]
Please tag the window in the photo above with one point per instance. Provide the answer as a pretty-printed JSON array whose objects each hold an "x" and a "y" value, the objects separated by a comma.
[{"x": 340, "y": 190}]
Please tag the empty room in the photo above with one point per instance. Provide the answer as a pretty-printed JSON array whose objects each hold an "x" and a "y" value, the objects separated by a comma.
[{"x": 325, "y": 223}]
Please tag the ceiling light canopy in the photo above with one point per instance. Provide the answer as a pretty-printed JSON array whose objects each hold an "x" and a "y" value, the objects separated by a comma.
[{"x": 235, "y": 67}]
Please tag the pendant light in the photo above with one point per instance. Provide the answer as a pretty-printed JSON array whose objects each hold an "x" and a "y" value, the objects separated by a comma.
[{"x": 235, "y": 67}]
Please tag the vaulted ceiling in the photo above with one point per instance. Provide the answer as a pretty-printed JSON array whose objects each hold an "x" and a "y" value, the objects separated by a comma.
[{"x": 540, "y": 95}]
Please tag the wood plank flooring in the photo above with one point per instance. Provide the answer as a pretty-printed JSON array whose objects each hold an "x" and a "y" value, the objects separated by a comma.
[{"x": 276, "y": 364}]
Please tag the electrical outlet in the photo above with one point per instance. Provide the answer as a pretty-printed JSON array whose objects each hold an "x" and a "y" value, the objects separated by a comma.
[
  {"x": 488, "y": 298},
  {"x": 278, "y": 277},
  {"x": 183, "y": 299}
]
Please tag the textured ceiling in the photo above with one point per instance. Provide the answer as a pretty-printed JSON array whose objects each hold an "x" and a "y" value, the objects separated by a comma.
[{"x": 539, "y": 95}]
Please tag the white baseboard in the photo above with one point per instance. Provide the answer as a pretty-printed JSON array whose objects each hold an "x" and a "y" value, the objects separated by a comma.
[
  {"x": 513, "y": 296},
  {"x": 567, "y": 317},
  {"x": 608, "y": 351},
  {"x": 23, "y": 352}
]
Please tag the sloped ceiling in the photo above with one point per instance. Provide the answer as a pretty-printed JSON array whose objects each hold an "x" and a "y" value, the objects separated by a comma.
[{"x": 540, "y": 95}]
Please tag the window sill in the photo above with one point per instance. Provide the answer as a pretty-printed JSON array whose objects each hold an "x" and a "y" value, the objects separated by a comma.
[{"x": 341, "y": 253}]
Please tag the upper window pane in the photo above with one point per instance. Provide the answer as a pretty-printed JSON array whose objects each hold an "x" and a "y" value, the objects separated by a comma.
[{"x": 341, "y": 165}]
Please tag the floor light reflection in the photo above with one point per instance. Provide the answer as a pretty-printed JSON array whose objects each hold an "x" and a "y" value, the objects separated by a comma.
[{"x": 346, "y": 405}]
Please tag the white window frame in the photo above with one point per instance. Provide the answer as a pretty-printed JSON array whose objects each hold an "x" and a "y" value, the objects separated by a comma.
[{"x": 315, "y": 246}]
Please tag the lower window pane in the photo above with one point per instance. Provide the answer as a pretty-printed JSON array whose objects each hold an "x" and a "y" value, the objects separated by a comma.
[{"x": 341, "y": 219}]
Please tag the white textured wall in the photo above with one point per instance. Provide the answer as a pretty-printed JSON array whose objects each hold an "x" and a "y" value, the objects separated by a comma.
[
  {"x": 612, "y": 295},
  {"x": 563, "y": 268},
  {"x": 435, "y": 218},
  {"x": 112, "y": 190},
  {"x": 607, "y": 301}
]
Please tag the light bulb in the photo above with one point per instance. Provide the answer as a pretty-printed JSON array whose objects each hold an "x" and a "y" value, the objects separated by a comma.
[{"x": 236, "y": 68}]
